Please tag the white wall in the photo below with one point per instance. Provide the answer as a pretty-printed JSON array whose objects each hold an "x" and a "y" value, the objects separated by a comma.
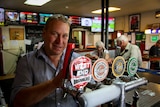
[{"x": 11, "y": 49}]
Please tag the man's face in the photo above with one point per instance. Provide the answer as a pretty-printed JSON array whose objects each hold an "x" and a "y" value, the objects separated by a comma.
[
  {"x": 119, "y": 43},
  {"x": 56, "y": 37}
]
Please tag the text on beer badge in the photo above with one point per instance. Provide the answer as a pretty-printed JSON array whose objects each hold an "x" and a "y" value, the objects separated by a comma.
[
  {"x": 80, "y": 71},
  {"x": 100, "y": 70}
]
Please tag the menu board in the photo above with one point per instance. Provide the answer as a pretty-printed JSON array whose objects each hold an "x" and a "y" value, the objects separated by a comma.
[
  {"x": 43, "y": 17},
  {"x": 11, "y": 17},
  {"x": 1, "y": 16},
  {"x": 28, "y": 18},
  {"x": 76, "y": 20}
]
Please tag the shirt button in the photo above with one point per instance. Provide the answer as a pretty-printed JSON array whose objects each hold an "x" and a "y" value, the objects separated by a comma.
[{"x": 58, "y": 104}]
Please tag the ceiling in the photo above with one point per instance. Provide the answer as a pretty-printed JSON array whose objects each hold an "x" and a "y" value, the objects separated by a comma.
[{"x": 84, "y": 7}]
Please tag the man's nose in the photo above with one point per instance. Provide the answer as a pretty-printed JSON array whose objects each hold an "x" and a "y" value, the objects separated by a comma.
[{"x": 59, "y": 39}]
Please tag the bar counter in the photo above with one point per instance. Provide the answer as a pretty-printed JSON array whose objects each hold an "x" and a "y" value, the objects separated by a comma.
[{"x": 149, "y": 95}]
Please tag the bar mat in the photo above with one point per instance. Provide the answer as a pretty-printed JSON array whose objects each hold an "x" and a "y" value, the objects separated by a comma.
[{"x": 156, "y": 104}]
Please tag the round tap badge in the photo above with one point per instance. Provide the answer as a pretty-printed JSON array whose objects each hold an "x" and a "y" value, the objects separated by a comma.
[
  {"x": 118, "y": 66},
  {"x": 100, "y": 70},
  {"x": 80, "y": 71},
  {"x": 132, "y": 66}
]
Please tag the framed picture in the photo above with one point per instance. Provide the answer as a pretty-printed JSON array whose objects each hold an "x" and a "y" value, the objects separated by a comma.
[
  {"x": 134, "y": 22},
  {"x": 16, "y": 33}
]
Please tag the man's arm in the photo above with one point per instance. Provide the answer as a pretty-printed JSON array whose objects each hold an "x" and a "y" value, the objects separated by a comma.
[{"x": 32, "y": 95}]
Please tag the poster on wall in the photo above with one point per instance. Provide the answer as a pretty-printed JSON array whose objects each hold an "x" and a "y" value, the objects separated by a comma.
[{"x": 134, "y": 22}]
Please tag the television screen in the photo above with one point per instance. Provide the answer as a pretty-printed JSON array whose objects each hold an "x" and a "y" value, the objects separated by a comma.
[
  {"x": 154, "y": 38},
  {"x": 44, "y": 17},
  {"x": 11, "y": 17},
  {"x": 75, "y": 20},
  {"x": 96, "y": 24},
  {"x": 111, "y": 24},
  {"x": 86, "y": 22},
  {"x": 28, "y": 18},
  {"x": 1, "y": 16}
]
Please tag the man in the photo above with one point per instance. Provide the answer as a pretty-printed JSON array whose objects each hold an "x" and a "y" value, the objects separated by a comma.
[
  {"x": 39, "y": 76},
  {"x": 128, "y": 50},
  {"x": 155, "y": 52}
]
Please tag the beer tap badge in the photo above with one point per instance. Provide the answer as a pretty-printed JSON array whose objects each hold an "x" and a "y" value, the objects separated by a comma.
[
  {"x": 80, "y": 72},
  {"x": 100, "y": 70},
  {"x": 132, "y": 66},
  {"x": 118, "y": 66}
]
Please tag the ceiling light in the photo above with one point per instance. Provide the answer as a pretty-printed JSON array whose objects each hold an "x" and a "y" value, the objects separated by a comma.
[
  {"x": 110, "y": 9},
  {"x": 36, "y": 2}
]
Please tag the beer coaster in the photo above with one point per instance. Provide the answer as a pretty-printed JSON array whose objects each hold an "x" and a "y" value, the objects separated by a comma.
[
  {"x": 80, "y": 71},
  {"x": 132, "y": 66},
  {"x": 100, "y": 70},
  {"x": 118, "y": 66}
]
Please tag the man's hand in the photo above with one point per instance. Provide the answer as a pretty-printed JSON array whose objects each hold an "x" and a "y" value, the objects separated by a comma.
[{"x": 59, "y": 80}]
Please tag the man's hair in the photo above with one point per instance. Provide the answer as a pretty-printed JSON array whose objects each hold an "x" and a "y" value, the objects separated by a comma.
[
  {"x": 158, "y": 42},
  {"x": 59, "y": 17},
  {"x": 122, "y": 37}
]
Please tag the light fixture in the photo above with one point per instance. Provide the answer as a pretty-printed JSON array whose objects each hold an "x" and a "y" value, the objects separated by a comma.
[
  {"x": 36, "y": 2},
  {"x": 110, "y": 9}
]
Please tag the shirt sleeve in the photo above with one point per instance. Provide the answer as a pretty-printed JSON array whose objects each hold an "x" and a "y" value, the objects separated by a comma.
[
  {"x": 106, "y": 51},
  {"x": 23, "y": 78},
  {"x": 136, "y": 53}
]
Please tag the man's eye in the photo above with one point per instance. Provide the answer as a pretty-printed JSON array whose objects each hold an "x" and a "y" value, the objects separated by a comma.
[
  {"x": 65, "y": 36},
  {"x": 54, "y": 34}
]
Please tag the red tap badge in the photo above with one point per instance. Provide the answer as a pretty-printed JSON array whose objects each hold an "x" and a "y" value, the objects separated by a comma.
[{"x": 80, "y": 71}]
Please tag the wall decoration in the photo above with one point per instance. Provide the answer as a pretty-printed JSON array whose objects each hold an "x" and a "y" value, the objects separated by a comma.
[
  {"x": 134, "y": 22},
  {"x": 16, "y": 33}
]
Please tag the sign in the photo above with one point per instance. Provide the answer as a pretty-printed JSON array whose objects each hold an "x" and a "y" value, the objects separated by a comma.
[
  {"x": 100, "y": 70},
  {"x": 80, "y": 71},
  {"x": 118, "y": 66},
  {"x": 132, "y": 66}
]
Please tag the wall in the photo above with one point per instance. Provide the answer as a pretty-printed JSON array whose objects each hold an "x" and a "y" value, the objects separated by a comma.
[
  {"x": 11, "y": 49},
  {"x": 146, "y": 18}
]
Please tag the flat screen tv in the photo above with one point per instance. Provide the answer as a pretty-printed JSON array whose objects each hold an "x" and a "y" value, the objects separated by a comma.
[
  {"x": 86, "y": 22},
  {"x": 43, "y": 17},
  {"x": 1, "y": 16},
  {"x": 111, "y": 24},
  {"x": 96, "y": 24},
  {"x": 11, "y": 17},
  {"x": 28, "y": 18}
]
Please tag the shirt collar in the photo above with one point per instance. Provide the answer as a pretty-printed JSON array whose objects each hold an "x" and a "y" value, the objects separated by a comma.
[
  {"x": 41, "y": 53},
  {"x": 127, "y": 47}
]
